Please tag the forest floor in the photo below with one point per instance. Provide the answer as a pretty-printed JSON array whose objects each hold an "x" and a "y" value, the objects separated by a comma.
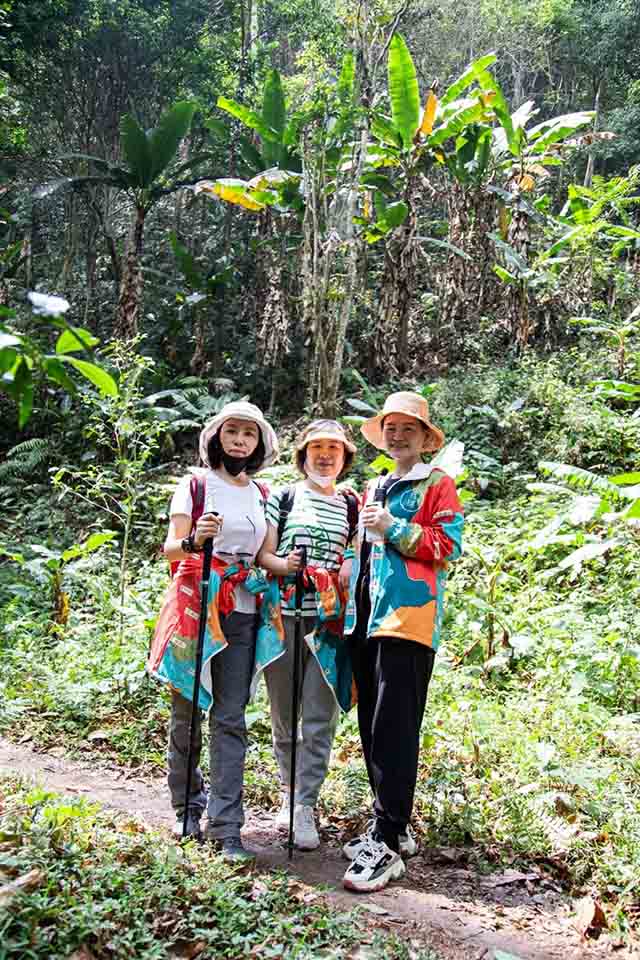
[{"x": 442, "y": 902}]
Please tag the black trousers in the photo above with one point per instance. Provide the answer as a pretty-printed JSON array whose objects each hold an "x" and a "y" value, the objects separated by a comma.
[{"x": 392, "y": 677}]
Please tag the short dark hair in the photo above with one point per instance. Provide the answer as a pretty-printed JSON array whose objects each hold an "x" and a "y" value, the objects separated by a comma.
[{"x": 253, "y": 464}]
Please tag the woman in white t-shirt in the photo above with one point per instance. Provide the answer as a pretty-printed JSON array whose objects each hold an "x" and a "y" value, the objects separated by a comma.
[{"x": 222, "y": 503}]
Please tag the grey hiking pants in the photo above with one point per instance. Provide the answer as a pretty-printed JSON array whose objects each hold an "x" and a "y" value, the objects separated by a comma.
[
  {"x": 231, "y": 671},
  {"x": 318, "y": 716}
]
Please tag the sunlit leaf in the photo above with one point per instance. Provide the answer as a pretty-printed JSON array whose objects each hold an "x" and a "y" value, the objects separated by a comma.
[
  {"x": 403, "y": 90},
  {"x": 231, "y": 190},
  {"x": 74, "y": 339},
  {"x": 473, "y": 72},
  {"x": 429, "y": 113},
  {"x": 91, "y": 371}
]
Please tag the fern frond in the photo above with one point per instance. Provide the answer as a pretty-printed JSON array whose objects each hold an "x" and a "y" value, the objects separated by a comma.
[
  {"x": 580, "y": 479},
  {"x": 25, "y": 458}
]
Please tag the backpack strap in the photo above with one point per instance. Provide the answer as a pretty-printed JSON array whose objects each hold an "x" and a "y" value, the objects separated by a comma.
[
  {"x": 286, "y": 502},
  {"x": 197, "y": 488},
  {"x": 352, "y": 515},
  {"x": 264, "y": 490}
]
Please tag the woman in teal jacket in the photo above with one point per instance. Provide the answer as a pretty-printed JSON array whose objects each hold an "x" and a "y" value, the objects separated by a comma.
[{"x": 411, "y": 527}]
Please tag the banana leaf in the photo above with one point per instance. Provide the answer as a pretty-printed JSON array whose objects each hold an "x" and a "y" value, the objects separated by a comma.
[
  {"x": 403, "y": 91},
  {"x": 472, "y": 74},
  {"x": 165, "y": 139},
  {"x": 136, "y": 150}
]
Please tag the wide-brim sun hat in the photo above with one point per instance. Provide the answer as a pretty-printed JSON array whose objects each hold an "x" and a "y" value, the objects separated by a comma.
[
  {"x": 325, "y": 430},
  {"x": 411, "y": 405},
  {"x": 240, "y": 410}
]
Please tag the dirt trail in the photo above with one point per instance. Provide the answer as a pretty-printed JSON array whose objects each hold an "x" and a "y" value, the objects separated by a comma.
[{"x": 456, "y": 911}]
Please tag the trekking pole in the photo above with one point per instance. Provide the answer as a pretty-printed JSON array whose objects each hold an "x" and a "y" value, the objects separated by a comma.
[
  {"x": 202, "y": 624},
  {"x": 297, "y": 651}
]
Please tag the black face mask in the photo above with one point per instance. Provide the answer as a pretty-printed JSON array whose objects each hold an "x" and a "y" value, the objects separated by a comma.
[{"x": 233, "y": 465}]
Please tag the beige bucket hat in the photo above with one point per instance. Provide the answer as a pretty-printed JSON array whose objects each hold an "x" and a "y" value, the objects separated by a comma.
[
  {"x": 412, "y": 405},
  {"x": 325, "y": 430},
  {"x": 242, "y": 410}
]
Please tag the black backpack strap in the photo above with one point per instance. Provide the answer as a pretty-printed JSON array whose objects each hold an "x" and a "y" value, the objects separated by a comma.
[
  {"x": 286, "y": 503},
  {"x": 352, "y": 515}
]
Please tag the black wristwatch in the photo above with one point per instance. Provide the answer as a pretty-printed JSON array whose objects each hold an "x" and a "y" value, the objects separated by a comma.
[{"x": 189, "y": 545}]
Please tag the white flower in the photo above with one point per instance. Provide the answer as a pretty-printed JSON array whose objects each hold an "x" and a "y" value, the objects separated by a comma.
[
  {"x": 194, "y": 298},
  {"x": 45, "y": 305}
]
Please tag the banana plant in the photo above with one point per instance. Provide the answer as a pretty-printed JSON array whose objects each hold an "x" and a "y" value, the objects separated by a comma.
[
  {"x": 617, "y": 334},
  {"x": 272, "y": 157},
  {"x": 148, "y": 176}
]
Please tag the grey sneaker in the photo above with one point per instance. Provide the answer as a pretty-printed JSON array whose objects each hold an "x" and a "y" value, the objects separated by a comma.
[
  {"x": 193, "y": 824},
  {"x": 282, "y": 816},
  {"x": 406, "y": 841},
  {"x": 304, "y": 828}
]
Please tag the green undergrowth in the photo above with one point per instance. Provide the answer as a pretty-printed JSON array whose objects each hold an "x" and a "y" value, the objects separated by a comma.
[
  {"x": 109, "y": 887},
  {"x": 531, "y": 740}
]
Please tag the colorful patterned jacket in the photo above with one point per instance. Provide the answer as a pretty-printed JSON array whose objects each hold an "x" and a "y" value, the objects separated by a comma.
[
  {"x": 172, "y": 657},
  {"x": 325, "y": 642},
  {"x": 409, "y": 570}
]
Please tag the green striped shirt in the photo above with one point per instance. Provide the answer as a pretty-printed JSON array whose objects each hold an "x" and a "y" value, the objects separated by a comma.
[{"x": 317, "y": 521}]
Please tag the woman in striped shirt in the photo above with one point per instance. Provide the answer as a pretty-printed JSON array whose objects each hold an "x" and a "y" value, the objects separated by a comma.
[{"x": 311, "y": 513}]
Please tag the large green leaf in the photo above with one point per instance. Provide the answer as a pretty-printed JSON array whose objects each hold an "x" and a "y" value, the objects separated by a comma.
[
  {"x": 403, "y": 90},
  {"x": 249, "y": 117},
  {"x": 274, "y": 115},
  {"x": 136, "y": 149},
  {"x": 395, "y": 214},
  {"x": 164, "y": 141},
  {"x": 473, "y": 73},
  {"x": 557, "y": 129},
  {"x": 74, "y": 339},
  {"x": 346, "y": 79},
  {"x": 56, "y": 371},
  {"x": 456, "y": 124},
  {"x": 383, "y": 129},
  {"x": 99, "y": 377},
  {"x": 273, "y": 106}
]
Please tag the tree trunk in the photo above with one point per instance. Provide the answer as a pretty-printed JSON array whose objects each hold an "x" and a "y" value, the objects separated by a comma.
[
  {"x": 130, "y": 299},
  {"x": 468, "y": 286},
  {"x": 591, "y": 162},
  {"x": 397, "y": 294}
]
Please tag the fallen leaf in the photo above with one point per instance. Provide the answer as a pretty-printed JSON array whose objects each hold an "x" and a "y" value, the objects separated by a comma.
[
  {"x": 29, "y": 881},
  {"x": 100, "y": 735},
  {"x": 302, "y": 891},
  {"x": 509, "y": 876},
  {"x": 374, "y": 908},
  {"x": 589, "y": 916}
]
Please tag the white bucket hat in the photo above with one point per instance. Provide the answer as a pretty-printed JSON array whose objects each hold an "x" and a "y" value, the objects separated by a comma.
[{"x": 242, "y": 410}]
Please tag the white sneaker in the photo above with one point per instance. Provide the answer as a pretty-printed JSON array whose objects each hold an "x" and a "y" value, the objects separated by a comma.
[
  {"x": 282, "y": 816},
  {"x": 373, "y": 868},
  {"x": 406, "y": 841},
  {"x": 304, "y": 828}
]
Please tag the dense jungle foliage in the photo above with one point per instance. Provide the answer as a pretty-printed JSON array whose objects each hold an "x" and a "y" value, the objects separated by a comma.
[{"x": 312, "y": 204}]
